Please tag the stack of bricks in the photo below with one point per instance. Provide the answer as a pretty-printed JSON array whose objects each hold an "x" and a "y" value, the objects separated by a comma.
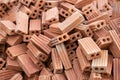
[{"x": 59, "y": 39}]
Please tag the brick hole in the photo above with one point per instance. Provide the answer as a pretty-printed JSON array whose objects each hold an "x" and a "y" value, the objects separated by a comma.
[
  {"x": 90, "y": 10},
  {"x": 92, "y": 55},
  {"x": 37, "y": 31},
  {"x": 1, "y": 62},
  {"x": 11, "y": 6},
  {"x": 66, "y": 14},
  {"x": 87, "y": 12},
  {"x": 96, "y": 68},
  {"x": 35, "y": 10},
  {"x": 28, "y": 13},
  {"x": 63, "y": 12},
  {"x": 14, "y": 2},
  {"x": 64, "y": 36},
  {"x": 72, "y": 10},
  {"x": 103, "y": 40},
  {"x": 89, "y": 34},
  {"x": 102, "y": 23},
  {"x": 87, "y": 30},
  {"x": 78, "y": 35},
  {"x": 33, "y": 14},
  {"x": 108, "y": 9},
  {"x": 97, "y": 54},
  {"x": 40, "y": 12},
  {"x": 33, "y": 32},
  {"x": 39, "y": 5},
  {"x": 50, "y": 4},
  {"x": 98, "y": 26},
  {"x": 41, "y": 1},
  {"x": 73, "y": 38},
  {"x": 60, "y": 38},
  {"x": 54, "y": 19},
  {"x": 67, "y": 47},
  {"x": 12, "y": 31},
  {"x": 26, "y": 2},
  {"x": 46, "y": 4},
  {"x": 27, "y": 38},
  {"x": 108, "y": 39},
  {"x": 72, "y": 45},
  {"x": 102, "y": 69},
  {"x": 105, "y": 6},
  {"x": 50, "y": 21},
  {"x": 71, "y": 52}
]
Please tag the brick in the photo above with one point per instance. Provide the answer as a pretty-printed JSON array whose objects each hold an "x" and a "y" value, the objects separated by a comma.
[
  {"x": 109, "y": 67},
  {"x": 26, "y": 2},
  {"x": 116, "y": 64},
  {"x": 8, "y": 27},
  {"x": 22, "y": 23},
  {"x": 71, "y": 22},
  {"x": 68, "y": 7},
  {"x": 40, "y": 44},
  {"x": 81, "y": 3},
  {"x": 34, "y": 12},
  {"x": 26, "y": 38},
  {"x": 63, "y": 56},
  {"x": 70, "y": 74},
  {"x": 39, "y": 3},
  {"x": 84, "y": 63},
  {"x": 95, "y": 76},
  {"x": 12, "y": 65},
  {"x": 75, "y": 36},
  {"x": 51, "y": 3},
  {"x": 36, "y": 52},
  {"x": 52, "y": 18},
  {"x": 58, "y": 77},
  {"x": 17, "y": 76},
  {"x": 85, "y": 30},
  {"x": 16, "y": 50},
  {"x": 90, "y": 11},
  {"x": 95, "y": 26},
  {"x": 2, "y": 63},
  {"x": 104, "y": 42},
  {"x": 4, "y": 74},
  {"x": 64, "y": 13},
  {"x": 91, "y": 52},
  {"x": 114, "y": 47},
  {"x": 59, "y": 39},
  {"x": 100, "y": 64},
  {"x": 14, "y": 40},
  {"x": 57, "y": 64},
  {"x": 26, "y": 10},
  {"x": 24, "y": 61},
  {"x": 35, "y": 27},
  {"x": 37, "y": 62},
  {"x": 50, "y": 34}
]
